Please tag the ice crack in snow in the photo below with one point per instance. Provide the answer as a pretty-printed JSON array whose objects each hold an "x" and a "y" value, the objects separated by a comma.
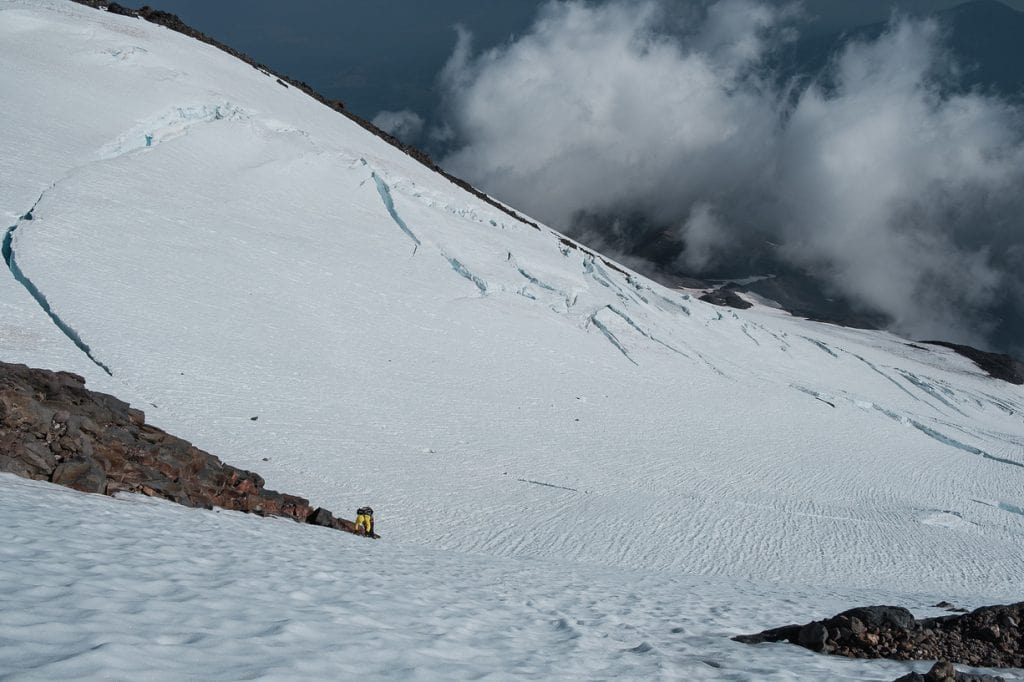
[
  {"x": 813, "y": 394},
  {"x": 546, "y": 485},
  {"x": 539, "y": 283},
  {"x": 40, "y": 298},
  {"x": 821, "y": 345},
  {"x": 610, "y": 336},
  {"x": 628, "y": 320},
  {"x": 389, "y": 204},
  {"x": 946, "y": 440},
  {"x": 169, "y": 125},
  {"x": 893, "y": 381},
  {"x": 458, "y": 267},
  {"x": 928, "y": 388}
]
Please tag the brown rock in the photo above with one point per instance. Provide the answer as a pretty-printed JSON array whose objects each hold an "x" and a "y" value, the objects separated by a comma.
[
  {"x": 53, "y": 428},
  {"x": 321, "y": 517},
  {"x": 81, "y": 474}
]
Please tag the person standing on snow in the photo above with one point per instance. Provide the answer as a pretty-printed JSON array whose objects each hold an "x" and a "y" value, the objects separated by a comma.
[{"x": 364, "y": 521}]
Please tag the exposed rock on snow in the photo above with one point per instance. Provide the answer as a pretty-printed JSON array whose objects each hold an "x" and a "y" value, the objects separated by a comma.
[
  {"x": 943, "y": 671},
  {"x": 727, "y": 297},
  {"x": 54, "y": 429},
  {"x": 998, "y": 365},
  {"x": 988, "y": 637}
]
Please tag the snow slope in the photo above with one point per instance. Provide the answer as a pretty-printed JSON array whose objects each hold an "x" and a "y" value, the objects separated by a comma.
[
  {"x": 226, "y": 247},
  {"x": 136, "y": 588}
]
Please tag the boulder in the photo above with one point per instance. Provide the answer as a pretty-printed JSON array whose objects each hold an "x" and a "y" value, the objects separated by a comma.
[
  {"x": 813, "y": 636},
  {"x": 321, "y": 517},
  {"x": 81, "y": 474}
]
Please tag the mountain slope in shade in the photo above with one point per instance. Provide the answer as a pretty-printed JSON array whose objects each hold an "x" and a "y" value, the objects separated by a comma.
[{"x": 227, "y": 247}]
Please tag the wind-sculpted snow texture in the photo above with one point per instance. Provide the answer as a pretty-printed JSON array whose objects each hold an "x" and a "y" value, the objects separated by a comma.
[
  {"x": 233, "y": 248},
  {"x": 138, "y": 588}
]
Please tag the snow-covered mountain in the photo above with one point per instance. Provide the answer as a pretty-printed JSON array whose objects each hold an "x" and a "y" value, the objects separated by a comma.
[{"x": 576, "y": 471}]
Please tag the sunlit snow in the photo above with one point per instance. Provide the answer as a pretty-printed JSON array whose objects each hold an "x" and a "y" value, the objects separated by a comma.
[{"x": 576, "y": 471}]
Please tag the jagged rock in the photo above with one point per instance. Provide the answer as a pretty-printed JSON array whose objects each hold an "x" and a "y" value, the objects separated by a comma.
[
  {"x": 786, "y": 633},
  {"x": 813, "y": 636},
  {"x": 54, "y": 429},
  {"x": 943, "y": 671},
  {"x": 321, "y": 517},
  {"x": 879, "y": 617},
  {"x": 989, "y": 637},
  {"x": 996, "y": 365},
  {"x": 727, "y": 297},
  {"x": 81, "y": 474}
]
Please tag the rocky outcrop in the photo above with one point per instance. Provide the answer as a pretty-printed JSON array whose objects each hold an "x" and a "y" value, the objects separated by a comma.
[
  {"x": 54, "y": 429},
  {"x": 989, "y": 637},
  {"x": 943, "y": 671},
  {"x": 996, "y": 365},
  {"x": 726, "y": 296}
]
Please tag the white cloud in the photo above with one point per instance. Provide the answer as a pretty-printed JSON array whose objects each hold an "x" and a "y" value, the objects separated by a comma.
[
  {"x": 891, "y": 186},
  {"x": 902, "y": 196},
  {"x": 703, "y": 234},
  {"x": 593, "y": 109}
]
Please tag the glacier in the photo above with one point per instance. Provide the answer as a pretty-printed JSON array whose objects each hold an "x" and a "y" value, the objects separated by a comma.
[{"x": 576, "y": 471}]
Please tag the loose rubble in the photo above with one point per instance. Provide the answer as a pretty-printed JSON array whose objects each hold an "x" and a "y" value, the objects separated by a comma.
[{"x": 989, "y": 637}]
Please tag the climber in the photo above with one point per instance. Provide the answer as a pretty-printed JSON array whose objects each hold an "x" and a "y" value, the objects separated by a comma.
[{"x": 364, "y": 521}]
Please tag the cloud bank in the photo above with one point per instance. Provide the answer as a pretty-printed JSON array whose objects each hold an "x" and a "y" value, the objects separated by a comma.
[
  {"x": 632, "y": 119},
  {"x": 406, "y": 125}
]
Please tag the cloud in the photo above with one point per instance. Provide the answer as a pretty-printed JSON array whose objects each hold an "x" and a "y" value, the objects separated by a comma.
[
  {"x": 405, "y": 125},
  {"x": 703, "y": 235},
  {"x": 877, "y": 177},
  {"x": 900, "y": 192},
  {"x": 595, "y": 110}
]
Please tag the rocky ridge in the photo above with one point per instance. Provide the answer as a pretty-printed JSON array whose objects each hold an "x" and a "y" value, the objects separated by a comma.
[
  {"x": 996, "y": 365},
  {"x": 726, "y": 297},
  {"x": 988, "y": 637},
  {"x": 54, "y": 429},
  {"x": 943, "y": 671}
]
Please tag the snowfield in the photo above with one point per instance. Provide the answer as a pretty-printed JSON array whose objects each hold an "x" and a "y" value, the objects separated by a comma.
[
  {"x": 135, "y": 588},
  {"x": 577, "y": 472}
]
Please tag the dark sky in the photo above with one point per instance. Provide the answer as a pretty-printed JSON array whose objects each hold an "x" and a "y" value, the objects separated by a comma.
[
  {"x": 371, "y": 54},
  {"x": 385, "y": 54}
]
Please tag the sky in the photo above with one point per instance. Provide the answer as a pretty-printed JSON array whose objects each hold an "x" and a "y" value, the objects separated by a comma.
[
  {"x": 379, "y": 55},
  {"x": 620, "y": 122},
  {"x": 386, "y": 54}
]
